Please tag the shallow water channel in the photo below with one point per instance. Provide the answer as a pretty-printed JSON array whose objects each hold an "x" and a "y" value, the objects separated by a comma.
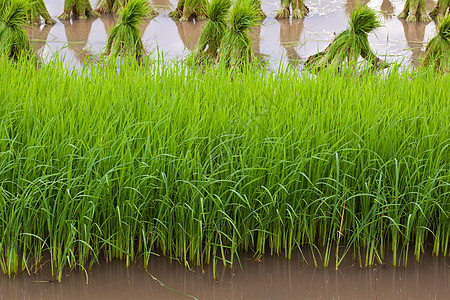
[
  {"x": 270, "y": 277},
  {"x": 279, "y": 41}
]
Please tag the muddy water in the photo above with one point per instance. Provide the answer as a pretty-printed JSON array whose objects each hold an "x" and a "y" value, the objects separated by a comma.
[
  {"x": 279, "y": 41},
  {"x": 266, "y": 278}
]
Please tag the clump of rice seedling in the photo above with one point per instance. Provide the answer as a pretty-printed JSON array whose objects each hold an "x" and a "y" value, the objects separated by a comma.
[
  {"x": 257, "y": 4},
  {"x": 37, "y": 10},
  {"x": 189, "y": 10},
  {"x": 442, "y": 7},
  {"x": 350, "y": 44},
  {"x": 437, "y": 52},
  {"x": 236, "y": 46},
  {"x": 214, "y": 30},
  {"x": 115, "y": 6},
  {"x": 299, "y": 9},
  {"x": 79, "y": 9},
  {"x": 125, "y": 38},
  {"x": 14, "y": 41},
  {"x": 414, "y": 11}
]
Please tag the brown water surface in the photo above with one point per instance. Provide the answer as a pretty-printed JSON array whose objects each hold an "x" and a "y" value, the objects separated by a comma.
[
  {"x": 281, "y": 42},
  {"x": 265, "y": 278}
]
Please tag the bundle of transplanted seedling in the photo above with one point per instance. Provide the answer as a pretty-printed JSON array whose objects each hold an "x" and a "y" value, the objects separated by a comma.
[
  {"x": 213, "y": 32},
  {"x": 414, "y": 11},
  {"x": 437, "y": 53},
  {"x": 14, "y": 42},
  {"x": 350, "y": 44},
  {"x": 299, "y": 9},
  {"x": 79, "y": 9},
  {"x": 125, "y": 38},
  {"x": 189, "y": 10},
  {"x": 442, "y": 7},
  {"x": 37, "y": 10},
  {"x": 115, "y": 6}
]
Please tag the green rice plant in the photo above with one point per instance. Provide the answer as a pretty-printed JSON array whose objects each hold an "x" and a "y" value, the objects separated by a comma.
[
  {"x": 437, "y": 52},
  {"x": 36, "y": 11},
  {"x": 214, "y": 30},
  {"x": 414, "y": 11},
  {"x": 350, "y": 44},
  {"x": 189, "y": 10},
  {"x": 236, "y": 47},
  {"x": 260, "y": 12},
  {"x": 115, "y": 7},
  {"x": 125, "y": 37},
  {"x": 442, "y": 7},
  {"x": 343, "y": 164},
  {"x": 14, "y": 42},
  {"x": 78, "y": 9},
  {"x": 299, "y": 9}
]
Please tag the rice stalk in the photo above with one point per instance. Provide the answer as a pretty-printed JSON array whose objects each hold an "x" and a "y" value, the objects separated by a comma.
[
  {"x": 414, "y": 11},
  {"x": 187, "y": 10},
  {"x": 36, "y": 11},
  {"x": 125, "y": 37},
  {"x": 299, "y": 9},
  {"x": 437, "y": 52},
  {"x": 77, "y": 9},
  {"x": 350, "y": 44},
  {"x": 115, "y": 7},
  {"x": 442, "y": 7},
  {"x": 14, "y": 41}
]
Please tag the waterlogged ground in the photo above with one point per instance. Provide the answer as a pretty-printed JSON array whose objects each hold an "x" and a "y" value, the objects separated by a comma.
[
  {"x": 265, "y": 278},
  {"x": 279, "y": 41}
]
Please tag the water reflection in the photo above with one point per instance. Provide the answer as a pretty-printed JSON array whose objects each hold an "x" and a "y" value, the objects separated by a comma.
[
  {"x": 189, "y": 32},
  {"x": 162, "y": 5},
  {"x": 77, "y": 34},
  {"x": 255, "y": 35},
  {"x": 290, "y": 33},
  {"x": 38, "y": 36},
  {"x": 387, "y": 9},
  {"x": 351, "y": 4},
  {"x": 414, "y": 34}
]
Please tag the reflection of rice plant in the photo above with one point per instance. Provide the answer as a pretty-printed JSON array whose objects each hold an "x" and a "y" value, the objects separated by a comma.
[
  {"x": 80, "y": 9},
  {"x": 37, "y": 10},
  {"x": 14, "y": 42},
  {"x": 236, "y": 46},
  {"x": 437, "y": 52},
  {"x": 299, "y": 9},
  {"x": 414, "y": 11},
  {"x": 214, "y": 30},
  {"x": 115, "y": 6},
  {"x": 441, "y": 8},
  {"x": 189, "y": 9},
  {"x": 125, "y": 38},
  {"x": 350, "y": 44}
]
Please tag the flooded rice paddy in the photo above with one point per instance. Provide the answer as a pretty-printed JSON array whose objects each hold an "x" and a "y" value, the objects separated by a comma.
[
  {"x": 280, "y": 41},
  {"x": 266, "y": 278}
]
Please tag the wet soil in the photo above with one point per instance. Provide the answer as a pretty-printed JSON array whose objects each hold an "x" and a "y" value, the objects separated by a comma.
[
  {"x": 270, "y": 277},
  {"x": 280, "y": 41}
]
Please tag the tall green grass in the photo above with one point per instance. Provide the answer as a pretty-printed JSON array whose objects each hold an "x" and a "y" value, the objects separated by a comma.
[{"x": 200, "y": 166}]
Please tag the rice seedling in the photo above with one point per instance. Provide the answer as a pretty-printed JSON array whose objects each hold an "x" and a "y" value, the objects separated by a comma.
[
  {"x": 115, "y": 7},
  {"x": 260, "y": 12},
  {"x": 125, "y": 37},
  {"x": 437, "y": 52},
  {"x": 37, "y": 10},
  {"x": 78, "y": 9},
  {"x": 94, "y": 165},
  {"x": 214, "y": 30},
  {"x": 189, "y": 10},
  {"x": 299, "y": 9},
  {"x": 414, "y": 11},
  {"x": 14, "y": 42},
  {"x": 350, "y": 44},
  {"x": 236, "y": 47},
  {"x": 442, "y": 7}
]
